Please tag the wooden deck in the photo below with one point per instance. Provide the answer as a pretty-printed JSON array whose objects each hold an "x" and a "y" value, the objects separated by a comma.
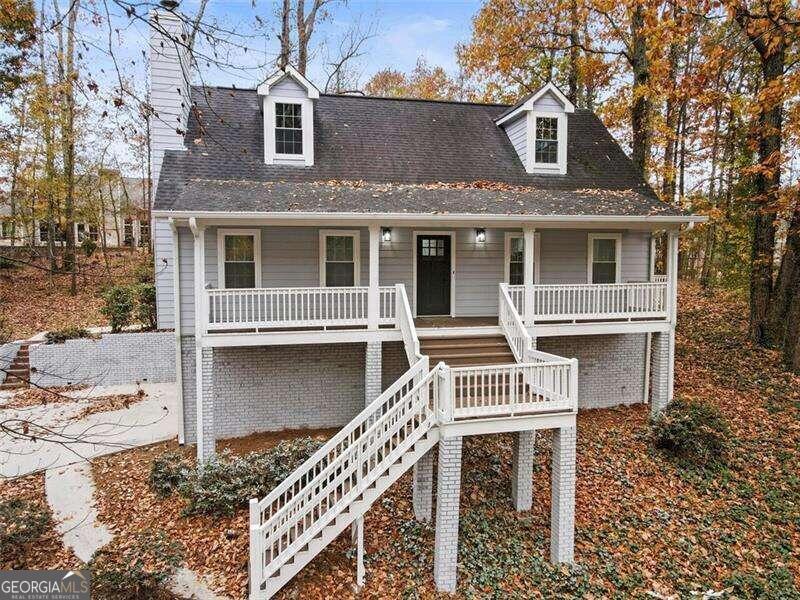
[{"x": 431, "y": 322}]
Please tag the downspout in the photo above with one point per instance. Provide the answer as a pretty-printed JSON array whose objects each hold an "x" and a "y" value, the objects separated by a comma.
[
  {"x": 176, "y": 286},
  {"x": 197, "y": 233}
]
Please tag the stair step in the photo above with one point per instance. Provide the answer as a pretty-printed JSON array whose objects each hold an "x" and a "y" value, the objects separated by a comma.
[{"x": 489, "y": 341}]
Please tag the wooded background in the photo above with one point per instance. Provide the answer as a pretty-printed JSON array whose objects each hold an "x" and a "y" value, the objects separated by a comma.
[{"x": 703, "y": 95}]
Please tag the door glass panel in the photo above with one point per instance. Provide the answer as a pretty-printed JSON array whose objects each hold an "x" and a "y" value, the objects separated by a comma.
[{"x": 516, "y": 267}]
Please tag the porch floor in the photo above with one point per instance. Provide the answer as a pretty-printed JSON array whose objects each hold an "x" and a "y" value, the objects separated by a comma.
[{"x": 433, "y": 322}]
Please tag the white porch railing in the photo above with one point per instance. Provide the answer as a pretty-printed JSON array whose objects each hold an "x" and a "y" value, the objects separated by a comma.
[
  {"x": 594, "y": 302},
  {"x": 658, "y": 278},
  {"x": 405, "y": 322},
  {"x": 349, "y": 463},
  {"x": 265, "y": 308}
]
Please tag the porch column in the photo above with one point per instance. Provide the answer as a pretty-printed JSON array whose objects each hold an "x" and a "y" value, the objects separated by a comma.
[
  {"x": 529, "y": 273},
  {"x": 373, "y": 296},
  {"x": 448, "y": 492},
  {"x": 200, "y": 317},
  {"x": 562, "y": 494},
  {"x": 423, "y": 487},
  {"x": 652, "y": 257},
  {"x": 672, "y": 277},
  {"x": 522, "y": 469}
]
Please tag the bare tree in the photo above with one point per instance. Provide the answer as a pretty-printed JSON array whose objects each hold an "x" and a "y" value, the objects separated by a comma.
[{"x": 342, "y": 74}]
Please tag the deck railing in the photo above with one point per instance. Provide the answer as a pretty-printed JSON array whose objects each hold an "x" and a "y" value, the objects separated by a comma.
[
  {"x": 594, "y": 302},
  {"x": 269, "y": 308}
]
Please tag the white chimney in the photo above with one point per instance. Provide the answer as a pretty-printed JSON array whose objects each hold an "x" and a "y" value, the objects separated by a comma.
[{"x": 170, "y": 86}]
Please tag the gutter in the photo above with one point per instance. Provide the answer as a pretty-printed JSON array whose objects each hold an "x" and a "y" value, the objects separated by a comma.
[{"x": 402, "y": 217}]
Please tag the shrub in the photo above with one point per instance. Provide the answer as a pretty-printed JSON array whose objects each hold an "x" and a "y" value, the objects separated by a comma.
[
  {"x": 22, "y": 522},
  {"x": 119, "y": 303},
  {"x": 146, "y": 305},
  {"x": 138, "y": 570},
  {"x": 89, "y": 247},
  {"x": 143, "y": 272},
  {"x": 59, "y": 336},
  {"x": 7, "y": 263},
  {"x": 168, "y": 472},
  {"x": 226, "y": 483},
  {"x": 693, "y": 432}
]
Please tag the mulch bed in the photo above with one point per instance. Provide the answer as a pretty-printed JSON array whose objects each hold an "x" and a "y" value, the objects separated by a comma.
[
  {"x": 644, "y": 524},
  {"x": 48, "y": 552}
]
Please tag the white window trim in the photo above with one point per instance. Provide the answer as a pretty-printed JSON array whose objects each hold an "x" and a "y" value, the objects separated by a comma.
[
  {"x": 559, "y": 167},
  {"x": 617, "y": 237},
  {"x": 307, "y": 119},
  {"x": 323, "y": 258},
  {"x": 221, "y": 235},
  {"x": 453, "y": 238},
  {"x": 537, "y": 244}
]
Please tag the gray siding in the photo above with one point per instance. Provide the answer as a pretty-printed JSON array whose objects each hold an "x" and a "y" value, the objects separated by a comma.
[
  {"x": 517, "y": 132},
  {"x": 548, "y": 102},
  {"x": 290, "y": 258},
  {"x": 288, "y": 88},
  {"x": 164, "y": 269}
]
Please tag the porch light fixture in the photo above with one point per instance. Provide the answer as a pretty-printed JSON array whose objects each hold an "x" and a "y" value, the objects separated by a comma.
[
  {"x": 386, "y": 234},
  {"x": 480, "y": 235}
]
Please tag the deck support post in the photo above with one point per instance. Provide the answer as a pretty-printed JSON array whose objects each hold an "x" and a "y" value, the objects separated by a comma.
[
  {"x": 529, "y": 273},
  {"x": 203, "y": 356},
  {"x": 358, "y": 535},
  {"x": 423, "y": 487},
  {"x": 661, "y": 350},
  {"x": 373, "y": 294},
  {"x": 522, "y": 469},
  {"x": 562, "y": 493},
  {"x": 448, "y": 492},
  {"x": 373, "y": 372}
]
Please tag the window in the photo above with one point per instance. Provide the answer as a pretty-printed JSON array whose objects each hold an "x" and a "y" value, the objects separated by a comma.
[
  {"x": 339, "y": 264},
  {"x": 94, "y": 233},
  {"x": 239, "y": 258},
  {"x": 6, "y": 229},
  {"x": 127, "y": 232},
  {"x": 44, "y": 236},
  {"x": 546, "y": 140},
  {"x": 288, "y": 128},
  {"x": 516, "y": 260},
  {"x": 144, "y": 233},
  {"x": 80, "y": 232},
  {"x": 604, "y": 257}
]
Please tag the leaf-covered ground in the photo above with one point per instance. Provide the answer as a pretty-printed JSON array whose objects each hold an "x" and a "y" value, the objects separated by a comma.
[
  {"x": 33, "y": 300},
  {"x": 47, "y": 552},
  {"x": 644, "y": 525}
]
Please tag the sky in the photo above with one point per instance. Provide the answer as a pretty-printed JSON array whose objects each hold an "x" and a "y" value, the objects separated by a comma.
[{"x": 404, "y": 31}]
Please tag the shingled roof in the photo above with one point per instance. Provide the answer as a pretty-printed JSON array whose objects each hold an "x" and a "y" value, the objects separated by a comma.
[{"x": 406, "y": 143}]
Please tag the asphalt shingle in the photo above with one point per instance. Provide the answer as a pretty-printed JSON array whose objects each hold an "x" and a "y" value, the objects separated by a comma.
[{"x": 407, "y": 143}]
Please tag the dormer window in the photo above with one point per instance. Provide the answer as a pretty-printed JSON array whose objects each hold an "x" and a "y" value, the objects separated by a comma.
[
  {"x": 546, "y": 140},
  {"x": 288, "y": 128},
  {"x": 537, "y": 128},
  {"x": 288, "y": 99}
]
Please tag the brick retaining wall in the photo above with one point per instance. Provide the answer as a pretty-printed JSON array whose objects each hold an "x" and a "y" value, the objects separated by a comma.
[{"x": 114, "y": 358}]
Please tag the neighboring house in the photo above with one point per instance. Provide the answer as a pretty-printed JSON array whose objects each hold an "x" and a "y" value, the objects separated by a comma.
[
  {"x": 113, "y": 213},
  {"x": 443, "y": 264}
]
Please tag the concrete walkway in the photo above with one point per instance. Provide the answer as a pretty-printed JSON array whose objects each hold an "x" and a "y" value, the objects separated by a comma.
[{"x": 153, "y": 420}]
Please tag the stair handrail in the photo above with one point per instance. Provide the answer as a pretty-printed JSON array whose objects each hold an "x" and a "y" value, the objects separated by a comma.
[
  {"x": 373, "y": 428},
  {"x": 405, "y": 322},
  {"x": 519, "y": 338}
]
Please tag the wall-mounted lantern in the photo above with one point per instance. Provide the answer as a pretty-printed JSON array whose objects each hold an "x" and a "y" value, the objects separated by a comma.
[
  {"x": 480, "y": 235},
  {"x": 386, "y": 234}
]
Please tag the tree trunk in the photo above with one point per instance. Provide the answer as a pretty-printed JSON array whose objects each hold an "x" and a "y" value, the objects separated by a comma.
[
  {"x": 572, "y": 75},
  {"x": 640, "y": 108},
  {"x": 286, "y": 43},
  {"x": 767, "y": 185},
  {"x": 787, "y": 286}
]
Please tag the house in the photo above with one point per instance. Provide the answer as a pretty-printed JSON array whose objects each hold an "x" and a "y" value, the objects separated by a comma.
[
  {"x": 411, "y": 271},
  {"x": 111, "y": 209}
]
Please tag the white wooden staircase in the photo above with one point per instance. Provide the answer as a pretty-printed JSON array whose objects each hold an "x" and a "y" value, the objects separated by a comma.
[{"x": 336, "y": 486}]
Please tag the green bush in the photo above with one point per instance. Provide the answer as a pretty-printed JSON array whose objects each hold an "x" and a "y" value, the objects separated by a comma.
[
  {"x": 7, "y": 263},
  {"x": 134, "y": 571},
  {"x": 143, "y": 272},
  {"x": 694, "y": 432},
  {"x": 119, "y": 304},
  {"x": 89, "y": 246},
  {"x": 168, "y": 472},
  {"x": 227, "y": 482},
  {"x": 146, "y": 305},
  {"x": 59, "y": 336},
  {"x": 22, "y": 522}
]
